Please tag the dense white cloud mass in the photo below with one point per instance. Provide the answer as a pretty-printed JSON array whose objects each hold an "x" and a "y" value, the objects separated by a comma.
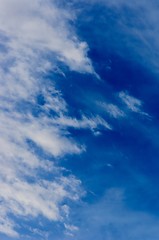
[
  {"x": 30, "y": 31},
  {"x": 38, "y": 25}
]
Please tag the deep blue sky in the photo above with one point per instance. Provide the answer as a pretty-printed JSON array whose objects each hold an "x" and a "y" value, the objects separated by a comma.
[{"x": 95, "y": 120}]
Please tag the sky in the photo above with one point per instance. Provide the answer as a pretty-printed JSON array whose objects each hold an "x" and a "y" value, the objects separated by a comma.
[{"x": 79, "y": 136}]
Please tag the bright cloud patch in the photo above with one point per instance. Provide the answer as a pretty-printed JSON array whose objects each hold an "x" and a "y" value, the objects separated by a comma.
[
  {"x": 29, "y": 33},
  {"x": 43, "y": 26}
]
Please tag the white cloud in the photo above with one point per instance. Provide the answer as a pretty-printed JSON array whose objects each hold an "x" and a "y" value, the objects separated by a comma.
[
  {"x": 113, "y": 110},
  {"x": 132, "y": 103},
  {"x": 6, "y": 225},
  {"x": 33, "y": 36},
  {"x": 45, "y": 26},
  {"x": 70, "y": 230},
  {"x": 85, "y": 122}
]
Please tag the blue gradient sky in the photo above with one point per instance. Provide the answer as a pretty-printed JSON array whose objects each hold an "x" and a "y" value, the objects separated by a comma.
[{"x": 79, "y": 118}]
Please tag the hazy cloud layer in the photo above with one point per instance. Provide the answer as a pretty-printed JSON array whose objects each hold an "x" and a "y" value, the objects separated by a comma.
[{"x": 110, "y": 218}]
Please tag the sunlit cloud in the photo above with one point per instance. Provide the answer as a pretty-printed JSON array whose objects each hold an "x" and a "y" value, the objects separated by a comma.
[{"x": 29, "y": 33}]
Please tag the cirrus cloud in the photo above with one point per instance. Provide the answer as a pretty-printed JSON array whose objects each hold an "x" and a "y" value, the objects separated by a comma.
[{"x": 34, "y": 36}]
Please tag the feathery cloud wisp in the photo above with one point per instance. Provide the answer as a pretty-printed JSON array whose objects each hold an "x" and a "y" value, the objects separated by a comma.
[{"x": 32, "y": 32}]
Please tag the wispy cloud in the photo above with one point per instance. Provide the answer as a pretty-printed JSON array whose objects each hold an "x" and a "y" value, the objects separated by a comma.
[
  {"x": 43, "y": 26},
  {"x": 34, "y": 36},
  {"x": 135, "y": 31},
  {"x": 132, "y": 103},
  {"x": 112, "y": 109},
  {"x": 110, "y": 218}
]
